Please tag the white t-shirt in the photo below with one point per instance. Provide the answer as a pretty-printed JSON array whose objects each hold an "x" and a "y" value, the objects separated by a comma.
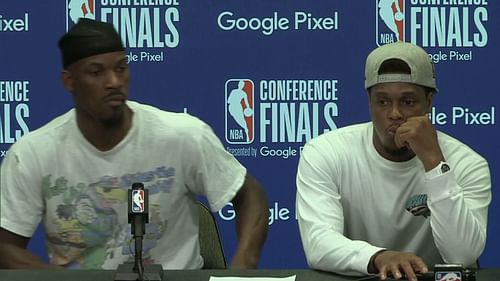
[
  {"x": 56, "y": 176},
  {"x": 351, "y": 203}
]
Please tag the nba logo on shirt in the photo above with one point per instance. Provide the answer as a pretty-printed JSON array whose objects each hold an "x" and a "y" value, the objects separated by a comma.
[
  {"x": 239, "y": 111},
  {"x": 390, "y": 23},
  {"x": 76, "y": 9},
  {"x": 137, "y": 201}
]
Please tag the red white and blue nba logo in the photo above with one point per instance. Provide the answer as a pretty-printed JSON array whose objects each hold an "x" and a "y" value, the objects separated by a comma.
[
  {"x": 390, "y": 23},
  {"x": 76, "y": 9},
  {"x": 137, "y": 201},
  {"x": 239, "y": 111},
  {"x": 448, "y": 276}
]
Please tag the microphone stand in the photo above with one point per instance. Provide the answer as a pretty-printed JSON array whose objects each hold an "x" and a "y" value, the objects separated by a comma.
[
  {"x": 138, "y": 230},
  {"x": 138, "y": 218}
]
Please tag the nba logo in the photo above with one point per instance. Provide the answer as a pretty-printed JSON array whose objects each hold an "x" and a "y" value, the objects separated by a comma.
[
  {"x": 137, "y": 201},
  {"x": 76, "y": 9},
  {"x": 239, "y": 111},
  {"x": 390, "y": 21},
  {"x": 448, "y": 276}
]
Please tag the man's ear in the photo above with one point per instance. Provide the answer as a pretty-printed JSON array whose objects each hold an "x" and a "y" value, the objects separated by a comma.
[
  {"x": 67, "y": 80},
  {"x": 429, "y": 101}
]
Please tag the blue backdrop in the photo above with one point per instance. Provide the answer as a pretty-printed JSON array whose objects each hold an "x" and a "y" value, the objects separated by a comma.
[{"x": 301, "y": 65}]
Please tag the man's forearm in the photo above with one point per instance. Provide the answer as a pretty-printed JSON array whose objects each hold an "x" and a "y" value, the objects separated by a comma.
[
  {"x": 14, "y": 257},
  {"x": 458, "y": 235},
  {"x": 458, "y": 225},
  {"x": 251, "y": 224},
  {"x": 251, "y": 237}
]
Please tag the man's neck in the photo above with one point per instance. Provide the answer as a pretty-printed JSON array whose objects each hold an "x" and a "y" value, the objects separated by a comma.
[
  {"x": 401, "y": 155},
  {"x": 105, "y": 136}
]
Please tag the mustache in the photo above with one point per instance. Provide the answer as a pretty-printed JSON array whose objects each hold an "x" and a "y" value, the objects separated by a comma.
[{"x": 114, "y": 94}]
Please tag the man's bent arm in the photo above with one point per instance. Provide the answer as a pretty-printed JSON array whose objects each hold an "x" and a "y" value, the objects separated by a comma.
[
  {"x": 321, "y": 220},
  {"x": 251, "y": 208},
  {"x": 458, "y": 201}
]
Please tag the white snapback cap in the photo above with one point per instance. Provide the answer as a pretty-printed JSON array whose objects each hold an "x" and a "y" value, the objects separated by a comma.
[{"x": 421, "y": 66}]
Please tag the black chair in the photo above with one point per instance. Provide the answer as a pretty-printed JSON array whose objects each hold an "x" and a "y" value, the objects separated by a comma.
[{"x": 210, "y": 243}]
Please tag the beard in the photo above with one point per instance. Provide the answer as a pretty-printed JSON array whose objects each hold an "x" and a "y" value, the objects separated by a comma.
[
  {"x": 386, "y": 147},
  {"x": 116, "y": 118},
  {"x": 398, "y": 153}
]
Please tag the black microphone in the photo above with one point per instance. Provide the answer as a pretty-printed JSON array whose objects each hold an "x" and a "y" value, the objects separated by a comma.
[
  {"x": 138, "y": 216},
  {"x": 138, "y": 209}
]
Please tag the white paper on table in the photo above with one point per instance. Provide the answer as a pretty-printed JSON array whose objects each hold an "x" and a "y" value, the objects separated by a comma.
[{"x": 289, "y": 278}]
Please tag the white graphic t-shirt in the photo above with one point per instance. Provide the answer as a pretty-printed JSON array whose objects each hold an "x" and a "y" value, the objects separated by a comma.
[{"x": 55, "y": 176}]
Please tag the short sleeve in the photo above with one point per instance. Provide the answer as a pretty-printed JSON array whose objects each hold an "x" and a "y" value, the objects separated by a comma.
[
  {"x": 21, "y": 202},
  {"x": 211, "y": 170}
]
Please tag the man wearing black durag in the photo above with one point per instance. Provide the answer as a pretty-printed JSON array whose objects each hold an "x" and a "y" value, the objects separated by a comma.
[{"x": 73, "y": 173}]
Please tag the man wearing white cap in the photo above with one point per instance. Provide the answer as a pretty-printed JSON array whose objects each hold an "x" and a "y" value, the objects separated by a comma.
[{"x": 393, "y": 196}]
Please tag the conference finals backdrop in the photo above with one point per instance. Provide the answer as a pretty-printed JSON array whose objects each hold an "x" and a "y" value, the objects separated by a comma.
[{"x": 299, "y": 63}]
